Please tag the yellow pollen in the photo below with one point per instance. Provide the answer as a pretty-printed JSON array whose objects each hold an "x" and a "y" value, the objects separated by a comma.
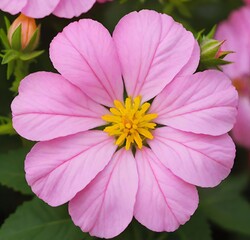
[{"x": 130, "y": 123}]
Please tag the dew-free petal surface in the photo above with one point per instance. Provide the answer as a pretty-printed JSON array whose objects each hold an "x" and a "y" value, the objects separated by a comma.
[
  {"x": 105, "y": 207},
  {"x": 12, "y": 6},
  {"x": 235, "y": 32},
  {"x": 202, "y": 103},
  {"x": 56, "y": 170},
  {"x": 163, "y": 201},
  {"x": 72, "y": 8},
  {"x": 48, "y": 106},
  {"x": 39, "y": 8},
  {"x": 85, "y": 54},
  {"x": 241, "y": 129},
  {"x": 201, "y": 160},
  {"x": 153, "y": 49}
]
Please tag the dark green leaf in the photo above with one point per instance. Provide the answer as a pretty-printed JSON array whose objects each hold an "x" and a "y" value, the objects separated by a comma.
[
  {"x": 196, "y": 228},
  {"x": 36, "y": 220},
  {"x": 12, "y": 170},
  {"x": 226, "y": 207}
]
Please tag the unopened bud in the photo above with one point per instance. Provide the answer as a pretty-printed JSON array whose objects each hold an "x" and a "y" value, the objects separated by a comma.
[
  {"x": 23, "y": 33},
  {"x": 211, "y": 54}
]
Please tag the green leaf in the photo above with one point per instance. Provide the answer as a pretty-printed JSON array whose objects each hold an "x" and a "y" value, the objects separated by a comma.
[
  {"x": 16, "y": 40},
  {"x": 9, "y": 56},
  {"x": 196, "y": 228},
  {"x": 36, "y": 220},
  {"x": 31, "y": 55},
  {"x": 226, "y": 207},
  {"x": 12, "y": 170}
]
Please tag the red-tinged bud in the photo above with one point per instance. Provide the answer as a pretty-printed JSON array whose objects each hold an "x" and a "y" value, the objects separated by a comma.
[{"x": 24, "y": 33}]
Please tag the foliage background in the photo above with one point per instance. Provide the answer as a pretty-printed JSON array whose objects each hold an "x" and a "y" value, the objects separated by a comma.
[{"x": 223, "y": 213}]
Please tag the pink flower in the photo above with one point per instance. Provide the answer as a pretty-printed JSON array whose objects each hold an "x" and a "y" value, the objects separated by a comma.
[
  {"x": 129, "y": 167},
  {"x": 42, "y": 8},
  {"x": 236, "y": 31},
  {"x": 247, "y": 1}
]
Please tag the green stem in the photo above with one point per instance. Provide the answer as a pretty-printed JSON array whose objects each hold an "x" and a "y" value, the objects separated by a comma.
[{"x": 21, "y": 70}]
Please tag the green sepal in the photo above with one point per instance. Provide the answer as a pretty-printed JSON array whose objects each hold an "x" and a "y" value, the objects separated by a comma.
[
  {"x": 30, "y": 55},
  {"x": 4, "y": 39},
  {"x": 31, "y": 45},
  {"x": 10, "y": 69},
  {"x": 210, "y": 48},
  {"x": 7, "y": 22},
  {"x": 9, "y": 56},
  {"x": 16, "y": 40}
]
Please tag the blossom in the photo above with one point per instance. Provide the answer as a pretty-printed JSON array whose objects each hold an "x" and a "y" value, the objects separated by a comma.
[
  {"x": 28, "y": 29},
  {"x": 156, "y": 138},
  {"x": 40, "y": 9},
  {"x": 236, "y": 32}
]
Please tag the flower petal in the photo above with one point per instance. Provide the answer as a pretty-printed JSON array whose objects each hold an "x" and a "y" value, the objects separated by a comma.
[
  {"x": 85, "y": 54},
  {"x": 48, "y": 106},
  {"x": 237, "y": 25},
  {"x": 105, "y": 207},
  {"x": 153, "y": 49},
  {"x": 12, "y": 6},
  {"x": 72, "y": 8},
  {"x": 56, "y": 170},
  {"x": 198, "y": 159},
  {"x": 163, "y": 201},
  {"x": 202, "y": 103},
  {"x": 241, "y": 130},
  {"x": 39, "y": 9}
]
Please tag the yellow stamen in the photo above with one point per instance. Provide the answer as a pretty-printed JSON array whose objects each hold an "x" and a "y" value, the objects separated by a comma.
[{"x": 130, "y": 123}]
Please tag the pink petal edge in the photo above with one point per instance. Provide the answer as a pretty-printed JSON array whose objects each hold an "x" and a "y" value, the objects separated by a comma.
[
  {"x": 201, "y": 160},
  {"x": 163, "y": 201},
  {"x": 56, "y": 170},
  {"x": 89, "y": 60},
  {"x": 48, "y": 106},
  {"x": 201, "y": 103},
  {"x": 105, "y": 207}
]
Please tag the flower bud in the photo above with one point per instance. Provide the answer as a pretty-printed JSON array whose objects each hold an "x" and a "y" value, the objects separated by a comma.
[
  {"x": 211, "y": 54},
  {"x": 23, "y": 33}
]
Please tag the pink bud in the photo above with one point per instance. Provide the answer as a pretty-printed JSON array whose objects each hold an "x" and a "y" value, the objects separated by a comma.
[{"x": 29, "y": 27}]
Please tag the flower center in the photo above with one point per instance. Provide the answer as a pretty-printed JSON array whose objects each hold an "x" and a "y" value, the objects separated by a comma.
[{"x": 129, "y": 123}]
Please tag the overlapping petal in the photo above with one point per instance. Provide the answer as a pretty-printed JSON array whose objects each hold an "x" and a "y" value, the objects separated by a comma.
[
  {"x": 241, "y": 130},
  {"x": 93, "y": 65},
  {"x": 163, "y": 201},
  {"x": 202, "y": 103},
  {"x": 38, "y": 8},
  {"x": 48, "y": 106},
  {"x": 72, "y": 8},
  {"x": 12, "y": 6},
  {"x": 56, "y": 170},
  {"x": 105, "y": 207},
  {"x": 201, "y": 160},
  {"x": 151, "y": 49}
]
